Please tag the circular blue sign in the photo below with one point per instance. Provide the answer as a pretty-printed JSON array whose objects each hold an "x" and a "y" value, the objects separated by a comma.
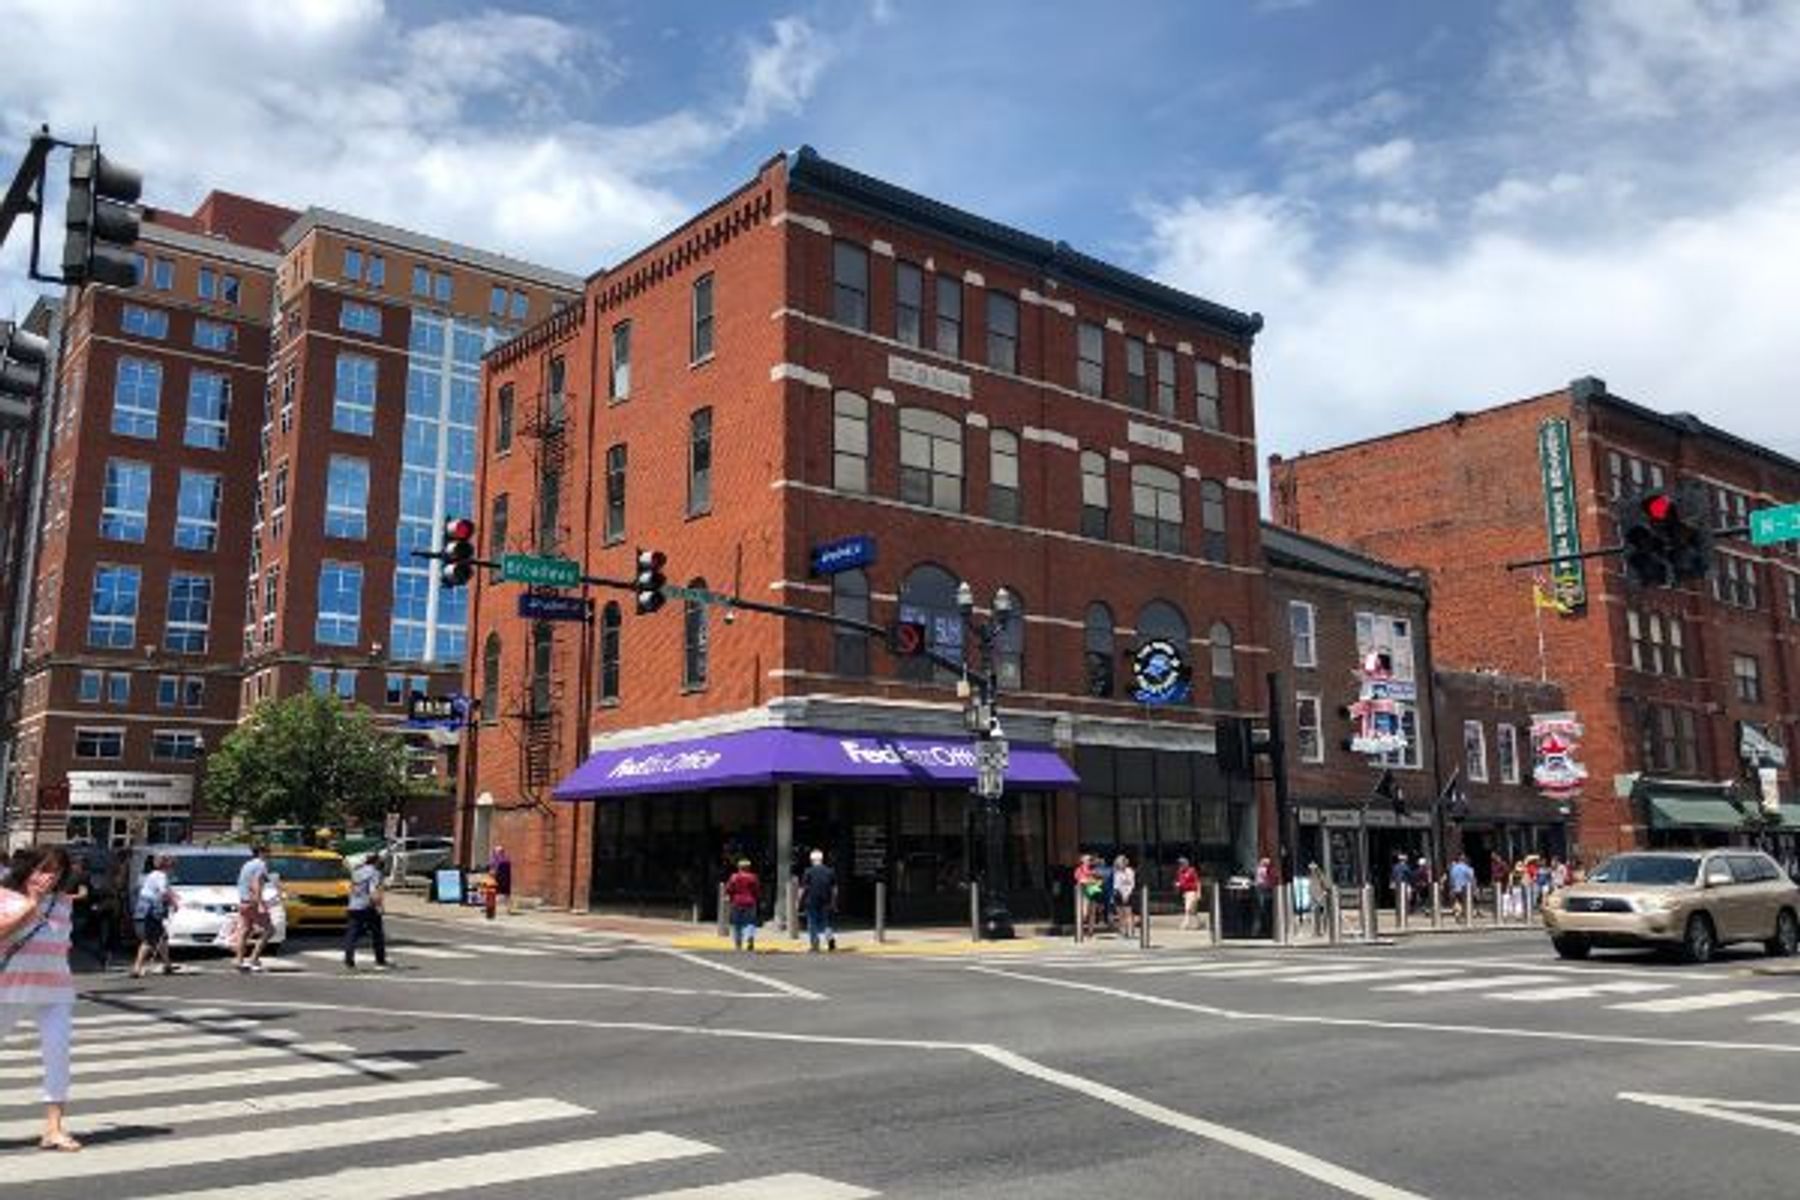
[{"x": 1161, "y": 674}]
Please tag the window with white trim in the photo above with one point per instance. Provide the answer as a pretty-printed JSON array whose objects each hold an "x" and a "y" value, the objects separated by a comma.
[
  {"x": 101, "y": 743},
  {"x": 125, "y": 501},
  {"x": 347, "y": 497},
  {"x": 1475, "y": 751},
  {"x": 1303, "y": 633},
  {"x": 701, "y": 347},
  {"x": 197, "y": 511},
  {"x": 208, "y": 411},
  {"x": 1308, "y": 738},
  {"x": 931, "y": 462},
  {"x": 360, "y": 318},
  {"x": 137, "y": 398},
  {"x": 1155, "y": 508},
  {"x": 849, "y": 442},
  {"x": 175, "y": 745},
  {"x": 1746, "y": 675},
  {"x": 339, "y": 620},
  {"x": 353, "y": 401},
  {"x": 1506, "y": 748},
  {"x": 113, "y": 608},
  {"x": 621, "y": 361},
  {"x": 144, "y": 322},
  {"x": 189, "y": 616}
]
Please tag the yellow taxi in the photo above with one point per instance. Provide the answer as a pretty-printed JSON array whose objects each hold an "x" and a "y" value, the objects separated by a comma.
[{"x": 315, "y": 884}]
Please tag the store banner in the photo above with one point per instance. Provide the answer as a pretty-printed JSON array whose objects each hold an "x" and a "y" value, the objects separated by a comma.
[
  {"x": 1562, "y": 514},
  {"x": 1555, "y": 737}
]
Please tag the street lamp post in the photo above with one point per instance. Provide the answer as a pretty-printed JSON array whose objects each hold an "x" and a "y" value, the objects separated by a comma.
[{"x": 991, "y": 753}]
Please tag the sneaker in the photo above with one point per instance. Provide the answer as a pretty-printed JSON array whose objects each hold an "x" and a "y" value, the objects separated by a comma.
[
  {"x": 243, "y": 967},
  {"x": 257, "y": 968},
  {"x": 831, "y": 944},
  {"x": 349, "y": 966},
  {"x": 751, "y": 945}
]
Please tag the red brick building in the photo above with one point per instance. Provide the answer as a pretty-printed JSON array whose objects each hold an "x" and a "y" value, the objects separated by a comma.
[
  {"x": 825, "y": 370},
  {"x": 1666, "y": 681}
]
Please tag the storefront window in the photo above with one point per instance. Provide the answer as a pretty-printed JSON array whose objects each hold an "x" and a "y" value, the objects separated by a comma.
[{"x": 928, "y": 598}]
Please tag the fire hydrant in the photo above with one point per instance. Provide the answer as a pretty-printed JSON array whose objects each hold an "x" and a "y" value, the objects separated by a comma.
[{"x": 490, "y": 895}]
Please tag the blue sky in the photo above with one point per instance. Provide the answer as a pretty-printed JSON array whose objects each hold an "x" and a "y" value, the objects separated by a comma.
[{"x": 1437, "y": 206}]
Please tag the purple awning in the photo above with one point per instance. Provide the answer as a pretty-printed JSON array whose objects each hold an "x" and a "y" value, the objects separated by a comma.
[{"x": 758, "y": 757}]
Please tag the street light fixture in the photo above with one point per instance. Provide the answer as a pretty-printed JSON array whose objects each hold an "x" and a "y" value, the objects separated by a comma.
[{"x": 990, "y": 748}]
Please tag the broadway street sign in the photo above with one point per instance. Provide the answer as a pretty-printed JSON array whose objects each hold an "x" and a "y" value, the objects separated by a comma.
[
  {"x": 539, "y": 571},
  {"x": 1771, "y": 525}
]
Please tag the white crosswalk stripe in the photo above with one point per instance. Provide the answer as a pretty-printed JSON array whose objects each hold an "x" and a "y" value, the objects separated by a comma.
[
  {"x": 1786, "y": 1018},
  {"x": 184, "y": 1058},
  {"x": 1432, "y": 987},
  {"x": 162, "y": 1084},
  {"x": 508, "y": 951},
  {"x": 401, "y": 951},
  {"x": 1580, "y": 991},
  {"x": 1699, "y": 1002},
  {"x": 769, "y": 1187},
  {"x": 1376, "y": 975},
  {"x": 186, "y": 1041}
]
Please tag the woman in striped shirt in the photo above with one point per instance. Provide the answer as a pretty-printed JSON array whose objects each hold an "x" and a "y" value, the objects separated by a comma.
[{"x": 34, "y": 972}]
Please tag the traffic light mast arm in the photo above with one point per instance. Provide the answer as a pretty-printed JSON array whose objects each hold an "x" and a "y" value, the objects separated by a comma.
[
  {"x": 29, "y": 179},
  {"x": 1602, "y": 552}
]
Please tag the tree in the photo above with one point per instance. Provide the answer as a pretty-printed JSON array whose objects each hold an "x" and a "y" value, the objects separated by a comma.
[{"x": 311, "y": 760}]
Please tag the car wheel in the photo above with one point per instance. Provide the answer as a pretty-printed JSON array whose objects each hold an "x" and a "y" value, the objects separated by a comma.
[
  {"x": 1571, "y": 945},
  {"x": 1787, "y": 935},
  {"x": 1699, "y": 940}
]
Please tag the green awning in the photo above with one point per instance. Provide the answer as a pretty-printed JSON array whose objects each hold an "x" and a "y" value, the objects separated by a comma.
[{"x": 1694, "y": 812}]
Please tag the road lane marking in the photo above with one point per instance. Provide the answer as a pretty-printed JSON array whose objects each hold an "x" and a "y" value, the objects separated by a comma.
[
  {"x": 1374, "y": 976},
  {"x": 1431, "y": 987},
  {"x": 543, "y": 985},
  {"x": 1738, "y": 1112},
  {"x": 790, "y": 989},
  {"x": 179, "y": 1040},
  {"x": 113, "y": 1035},
  {"x": 1587, "y": 991},
  {"x": 177, "y": 1085},
  {"x": 1194, "y": 966},
  {"x": 1786, "y": 1018},
  {"x": 186, "y": 1058},
  {"x": 1700, "y": 1003},
  {"x": 768, "y": 1187},
  {"x": 479, "y": 948}
]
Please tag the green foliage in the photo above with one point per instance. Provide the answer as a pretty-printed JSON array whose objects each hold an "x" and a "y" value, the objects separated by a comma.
[{"x": 307, "y": 759}]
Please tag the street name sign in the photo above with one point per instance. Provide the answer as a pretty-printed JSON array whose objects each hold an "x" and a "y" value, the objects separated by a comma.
[
  {"x": 539, "y": 571},
  {"x": 1771, "y": 525},
  {"x": 697, "y": 595},
  {"x": 537, "y": 606},
  {"x": 449, "y": 711}
]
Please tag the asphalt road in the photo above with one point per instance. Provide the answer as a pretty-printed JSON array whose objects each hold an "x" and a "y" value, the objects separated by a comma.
[{"x": 504, "y": 1063}]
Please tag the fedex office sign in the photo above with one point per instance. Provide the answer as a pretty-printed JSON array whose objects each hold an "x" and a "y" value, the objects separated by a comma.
[
  {"x": 874, "y": 755},
  {"x": 664, "y": 764}
]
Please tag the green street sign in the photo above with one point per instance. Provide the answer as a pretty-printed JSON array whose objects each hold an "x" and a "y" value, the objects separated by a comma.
[
  {"x": 698, "y": 595},
  {"x": 1771, "y": 525},
  {"x": 539, "y": 571}
]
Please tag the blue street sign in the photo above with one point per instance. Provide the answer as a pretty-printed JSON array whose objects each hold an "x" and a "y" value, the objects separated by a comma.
[
  {"x": 845, "y": 554},
  {"x": 442, "y": 712},
  {"x": 539, "y": 606}
]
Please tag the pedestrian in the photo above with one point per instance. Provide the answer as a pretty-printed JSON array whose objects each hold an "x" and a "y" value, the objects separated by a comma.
[
  {"x": 818, "y": 892},
  {"x": 1400, "y": 879},
  {"x": 743, "y": 892},
  {"x": 500, "y": 868},
  {"x": 1462, "y": 889},
  {"x": 1089, "y": 886},
  {"x": 253, "y": 925},
  {"x": 36, "y": 923},
  {"x": 1422, "y": 879},
  {"x": 367, "y": 896},
  {"x": 1187, "y": 886},
  {"x": 149, "y": 917},
  {"x": 1319, "y": 885},
  {"x": 1559, "y": 874},
  {"x": 1124, "y": 884}
]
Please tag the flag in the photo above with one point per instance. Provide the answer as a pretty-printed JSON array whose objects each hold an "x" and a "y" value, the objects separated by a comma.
[{"x": 1543, "y": 597}]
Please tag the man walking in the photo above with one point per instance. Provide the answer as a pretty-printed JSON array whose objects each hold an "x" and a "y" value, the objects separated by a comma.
[
  {"x": 253, "y": 910},
  {"x": 1187, "y": 886},
  {"x": 366, "y": 897},
  {"x": 818, "y": 892},
  {"x": 1462, "y": 888},
  {"x": 743, "y": 892}
]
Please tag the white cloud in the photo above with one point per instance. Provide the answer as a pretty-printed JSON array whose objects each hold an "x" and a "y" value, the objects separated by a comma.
[
  {"x": 1383, "y": 161},
  {"x": 1398, "y": 215},
  {"x": 781, "y": 74},
  {"x": 1513, "y": 196}
]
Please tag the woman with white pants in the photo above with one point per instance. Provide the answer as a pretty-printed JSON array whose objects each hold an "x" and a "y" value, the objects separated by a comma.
[{"x": 35, "y": 922}]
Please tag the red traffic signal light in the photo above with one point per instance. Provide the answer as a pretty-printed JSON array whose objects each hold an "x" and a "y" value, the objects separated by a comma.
[
  {"x": 649, "y": 581},
  {"x": 458, "y": 554},
  {"x": 1660, "y": 508}
]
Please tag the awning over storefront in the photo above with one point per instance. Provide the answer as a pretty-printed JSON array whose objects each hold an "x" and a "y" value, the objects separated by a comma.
[
  {"x": 1694, "y": 812},
  {"x": 760, "y": 757}
]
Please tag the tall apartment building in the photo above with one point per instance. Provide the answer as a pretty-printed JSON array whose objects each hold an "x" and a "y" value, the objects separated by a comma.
[
  {"x": 830, "y": 392},
  {"x": 1687, "y": 694},
  {"x": 243, "y": 448}
]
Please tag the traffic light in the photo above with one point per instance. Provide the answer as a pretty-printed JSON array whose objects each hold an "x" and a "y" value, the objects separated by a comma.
[
  {"x": 102, "y": 220},
  {"x": 649, "y": 581},
  {"x": 22, "y": 356},
  {"x": 1666, "y": 535},
  {"x": 458, "y": 554},
  {"x": 1232, "y": 742}
]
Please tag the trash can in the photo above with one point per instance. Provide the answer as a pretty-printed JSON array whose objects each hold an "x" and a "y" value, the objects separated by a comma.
[{"x": 1238, "y": 911}]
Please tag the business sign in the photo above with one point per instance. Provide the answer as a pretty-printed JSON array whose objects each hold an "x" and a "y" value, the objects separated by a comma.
[
  {"x": 1555, "y": 737},
  {"x": 539, "y": 606},
  {"x": 1160, "y": 674},
  {"x": 845, "y": 554},
  {"x": 1379, "y": 707},
  {"x": 1758, "y": 749},
  {"x": 423, "y": 709},
  {"x": 1562, "y": 517},
  {"x": 91, "y": 790},
  {"x": 1153, "y": 436},
  {"x": 924, "y": 375}
]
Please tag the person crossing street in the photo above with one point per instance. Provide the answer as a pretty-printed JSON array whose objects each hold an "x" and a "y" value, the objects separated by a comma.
[
  {"x": 818, "y": 892},
  {"x": 366, "y": 899}
]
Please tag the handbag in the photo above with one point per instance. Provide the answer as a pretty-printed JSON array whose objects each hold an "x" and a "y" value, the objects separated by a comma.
[{"x": 19, "y": 944}]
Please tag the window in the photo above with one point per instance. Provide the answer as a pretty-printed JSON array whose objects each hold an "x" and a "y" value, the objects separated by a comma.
[
  {"x": 1669, "y": 739},
  {"x": 1389, "y": 636},
  {"x": 290, "y": 379},
  {"x": 353, "y": 404},
  {"x": 401, "y": 687},
  {"x": 339, "y": 682},
  {"x": 931, "y": 465},
  {"x": 442, "y": 287},
  {"x": 1155, "y": 508},
  {"x": 700, "y": 463},
  {"x": 352, "y": 263},
  {"x": 1615, "y": 475},
  {"x": 215, "y": 335},
  {"x": 498, "y": 513},
  {"x": 206, "y": 284},
  {"x": 948, "y": 339},
  {"x": 190, "y": 613},
  {"x": 1165, "y": 381},
  {"x": 421, "y": 280},
  {"x": 1161, "y": 620},
  {"x": 1793, "y": 596},
  {"x": 1645, "y": 633},
  {"x": 1097, "y": 650},
  {"x": 347, "y": 497},
  {"x": 1307, "y": 738},
  {"x": 850, "y": 599},
  {"x": 555, "y": 385},
  {"x": 175, "y": 745},
  {"x": 503, "y": 419},
  {"x": 197, "y": 511},
  {"x": 112, "y": 686},
  {"x": 339, "y": 620},
  {"x": 615, "y": 493},
  {"x": 543, "y": 666},
  {"x": 490, "y": 679},
  {"x": 90, "y": 687},
  {"x": 850, "y": 442},
  {"x": 1677, "y": 657},
  {"x": 909, "y": 304},
  {"x": 144, "y": 322},
  {"x": 125, "y": 501},
  {"x": 1215, "y": 542},
  {"x": 278, "y": 500},
  {"x": 1303, "y": 633},
  {"x": 621, "y": 361},
  {"x": 1747, "y": 676},
  {"x": 1090, "y": 359},
  {"x": 1137, "y": 379},
  {"x": 99, "y": 743},
  {"x": 1475, "y": 751},
  {"x": 1009, "y": 648},
  {"x": 376, "y": 274},
  {"x": 1095, "y": 502},
  {"x": 702, "y": 347},
  {"x": 497, "y": 301},
  {"x": 850, "y": 285},
  {"x": 208, "y": 411},
  {"x": 1506, "y": 748},
  {"x": 1003, "y": 476},
  {"x": 611, "y": 629},
  {"x": 695, "y": 640},
  {"x": 549, "y": 512},
  {"x": 1734, "y": 581},
  {"x": 1002, "y": 333},
  {"x": 360, "y": 318},
  {"x": 1224, "y": 665},
  {"x": 1206, "y": 394},
  {"x": 228, "y": 288},
  {"x": 185, "y": 691},
  {"x": 162, "y": 275},
  {"x": 521, "y": 305},
  {"x": 137, "y": 395},
  {"x": 928, "y": 598}
]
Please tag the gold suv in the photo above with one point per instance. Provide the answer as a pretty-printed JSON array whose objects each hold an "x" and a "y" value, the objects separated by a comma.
[{"x": 1691, "y": 900}]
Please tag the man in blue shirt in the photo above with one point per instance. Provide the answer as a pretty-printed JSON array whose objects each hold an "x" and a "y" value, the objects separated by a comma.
[
  {"x": 253, "y": 909},
  {"x": 1462, "y": 888}
]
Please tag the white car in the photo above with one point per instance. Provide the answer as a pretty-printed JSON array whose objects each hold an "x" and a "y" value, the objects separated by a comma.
[{"x": 204, "y": 884}]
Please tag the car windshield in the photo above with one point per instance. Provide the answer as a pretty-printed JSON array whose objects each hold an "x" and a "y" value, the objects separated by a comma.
[
  {"x": 308, "y": 869},
  {"x": 207, "y": 869},
  {"x": 1648, "y": 869}
]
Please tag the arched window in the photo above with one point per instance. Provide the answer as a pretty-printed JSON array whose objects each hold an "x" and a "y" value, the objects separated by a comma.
[
  {"x": 1096, "y": 504},
  {"x": 928, "y": 598},
  {"x": 1224, "y": 670},
  {"x": 490, "y": 679},
  {"x": 1097, "y": 641},
  {"x": 931, "y": 460},
  {"x": 1003, "y": 476},
  {"x": 695, "y": 640},
  {"x": 1214, "y": 546},
  {"x": 543, "y": 654},
  {"x": 1009, "y": 648},
  {"x": 1155, "y": 508},
  {"x": 849, "y": 442},
  {"x": 609, "y": 651},
  {"x": 850, "y": 598},
  {"x": 1161, "y": 621}
]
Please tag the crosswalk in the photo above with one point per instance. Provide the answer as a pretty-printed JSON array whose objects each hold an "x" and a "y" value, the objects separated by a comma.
[
  {"x": 439, "y": 952},
  {"x": 160, "y": 1097}
]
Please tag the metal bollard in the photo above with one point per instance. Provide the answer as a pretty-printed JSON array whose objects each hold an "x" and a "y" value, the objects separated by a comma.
[
  {"x": 1525, "y": 908},
  {"x": 974, "y": 911},
  {"x": 1216, "y": 924},
  {"x": 1335, "y": 915},
  {"x": 724, "y": 929},
  {"x": 1402, "y": 902},
  {"x": 1437, "y": 904},
  {"x": 1143, "y": 918},
  {"x": 1080, "y": 913},
  {"x": 880, "y": 910},
  {"x": 792, "y": 915},
  {"x": 1370, "y": 924},
  {"x": 1284, "y": 914}
]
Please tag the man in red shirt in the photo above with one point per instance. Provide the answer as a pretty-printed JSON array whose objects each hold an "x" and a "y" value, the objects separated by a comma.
[
  {"x": 1187, "y": 883},
  {"x": 743, "y": 892}
]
